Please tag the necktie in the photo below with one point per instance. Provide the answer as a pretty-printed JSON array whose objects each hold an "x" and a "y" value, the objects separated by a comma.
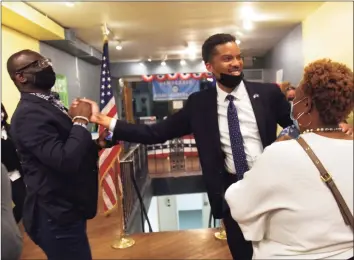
[{"x": 238, "y": 150}]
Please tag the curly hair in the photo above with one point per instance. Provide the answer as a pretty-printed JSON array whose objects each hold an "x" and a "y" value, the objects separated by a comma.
[
  {"x": 285, "y": 86},
  {"x": 208, "y": 48},
  {"x": 330, "y": 86}
]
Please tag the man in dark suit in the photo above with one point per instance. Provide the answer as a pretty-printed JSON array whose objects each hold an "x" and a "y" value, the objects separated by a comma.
[
  {"x": 231, "y": 123},
  {"x": 59, "y": 161}
]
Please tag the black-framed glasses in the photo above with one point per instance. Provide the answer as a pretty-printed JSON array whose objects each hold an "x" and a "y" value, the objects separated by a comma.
[{"x": 40, "y": 64}]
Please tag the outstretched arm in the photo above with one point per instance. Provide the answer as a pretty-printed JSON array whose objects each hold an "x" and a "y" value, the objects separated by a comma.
[{"x": 174, "y": 126}]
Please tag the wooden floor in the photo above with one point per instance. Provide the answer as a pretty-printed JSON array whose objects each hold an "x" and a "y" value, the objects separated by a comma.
[{"x": 191, "y": 244}]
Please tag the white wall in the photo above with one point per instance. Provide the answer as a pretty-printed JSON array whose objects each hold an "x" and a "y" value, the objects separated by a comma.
[
  {"x": 153, "y": 216},
  {"x": 167, "y": 213},
  {"x": 190, "y": 201},
  {"x": 164, "y": 210}
]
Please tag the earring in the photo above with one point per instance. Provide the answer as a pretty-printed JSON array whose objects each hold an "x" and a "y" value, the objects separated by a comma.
[{"x": 310, "y": 121}]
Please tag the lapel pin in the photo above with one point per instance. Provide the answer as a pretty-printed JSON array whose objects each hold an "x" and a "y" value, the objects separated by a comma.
[{"x": 255, "y": 96}]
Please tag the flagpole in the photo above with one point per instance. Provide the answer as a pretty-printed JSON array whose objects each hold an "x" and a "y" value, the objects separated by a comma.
[
  {"x": 122, "y": 241},
  {"x": 221, "y": 234}
]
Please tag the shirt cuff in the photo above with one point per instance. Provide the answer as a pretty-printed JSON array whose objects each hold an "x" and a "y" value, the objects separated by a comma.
[
  {"x": 80, "y": 124},
  {"x": 112, "y": 124}
]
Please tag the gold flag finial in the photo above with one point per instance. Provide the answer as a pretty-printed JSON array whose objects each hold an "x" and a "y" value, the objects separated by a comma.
[{"x": 105, "y": 32}]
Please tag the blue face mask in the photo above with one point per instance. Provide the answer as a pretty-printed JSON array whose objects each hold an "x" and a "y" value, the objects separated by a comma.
[{"x": 295, "y": 122}]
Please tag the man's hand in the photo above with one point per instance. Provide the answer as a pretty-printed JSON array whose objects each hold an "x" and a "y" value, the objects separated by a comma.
[
  {"x": 346, "y": 128},
  {"x": 80, "y": 109},
  {"x": 94, "y": 109}
]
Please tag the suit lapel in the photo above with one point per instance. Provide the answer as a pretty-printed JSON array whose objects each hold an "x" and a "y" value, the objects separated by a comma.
[
  {"x": 47, "y": 105},
  {"x": 258, "y": 110}
]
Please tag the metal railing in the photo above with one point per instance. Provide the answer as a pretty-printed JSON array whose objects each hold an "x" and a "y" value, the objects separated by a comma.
[{"x": 134, "y": 175}]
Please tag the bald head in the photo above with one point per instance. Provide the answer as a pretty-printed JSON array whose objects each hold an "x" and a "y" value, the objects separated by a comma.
[
  {"x": 31, "y": 72},
  {"x": 21, "y": 59}
]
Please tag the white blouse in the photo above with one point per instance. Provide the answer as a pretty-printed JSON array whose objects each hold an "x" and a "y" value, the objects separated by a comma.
[{"x": 285, "y": 209}]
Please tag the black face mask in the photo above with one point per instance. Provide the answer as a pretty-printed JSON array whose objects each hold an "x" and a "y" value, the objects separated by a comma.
[
  {"x": 230, "y": 81},
  {"x": 43, "y": 79}
]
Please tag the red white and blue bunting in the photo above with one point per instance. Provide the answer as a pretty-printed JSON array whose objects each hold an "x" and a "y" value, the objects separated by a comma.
[
  {"x": 148, "y": 78},
  {"x": 175, "y": 76}
]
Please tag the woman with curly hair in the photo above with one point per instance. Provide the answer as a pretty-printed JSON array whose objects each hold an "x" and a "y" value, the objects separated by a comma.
[{"x": 283, "y": 204}]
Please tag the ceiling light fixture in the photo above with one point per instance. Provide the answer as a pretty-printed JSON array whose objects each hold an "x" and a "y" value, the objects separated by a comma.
[
  {"x": 69, "y": 4},
  {"x": 119, "y": 46},
  {"x": 238, "y": 42},
  {"x": 247, "y": 12},
  {"x": 182, "y": 62},
  {"x": 247, "y": 25},
  {"x": 149, "y": 60},
  {"x": 191, "y": 51},
  {"x": 163, "y": 63}
]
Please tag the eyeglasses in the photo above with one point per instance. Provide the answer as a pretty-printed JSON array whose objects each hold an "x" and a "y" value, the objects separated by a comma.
[
  {"x": 289, "y": 88},
  {"x": 41, "y": 64}
]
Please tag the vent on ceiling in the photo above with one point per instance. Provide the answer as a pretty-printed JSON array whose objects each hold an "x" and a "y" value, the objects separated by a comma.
[
  {"x": 77, "y": 48},
  {"x": 253, "y": 74}
]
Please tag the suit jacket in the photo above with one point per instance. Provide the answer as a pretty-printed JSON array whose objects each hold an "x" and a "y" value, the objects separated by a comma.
[
  {"x": 59, "y": 162},
  {"x": 199, "y": 117},
  {"x": 9, "y": 155}
]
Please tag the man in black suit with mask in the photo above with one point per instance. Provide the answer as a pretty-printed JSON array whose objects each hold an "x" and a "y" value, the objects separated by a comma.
[
  {"x": 231, "y": 123},
  {"x": 59, "y": 160}
]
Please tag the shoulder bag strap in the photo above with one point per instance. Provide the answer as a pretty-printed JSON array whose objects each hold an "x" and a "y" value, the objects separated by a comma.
[{"x": 327, "y": 179}]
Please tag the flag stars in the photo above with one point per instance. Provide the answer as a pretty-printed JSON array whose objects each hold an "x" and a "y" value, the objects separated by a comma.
[
  {"x": 109, "y": 86},
  {"x": 104, "y": 72},
  {"x": 109, "y": 79},
  {"x": 102, "y": 101}
]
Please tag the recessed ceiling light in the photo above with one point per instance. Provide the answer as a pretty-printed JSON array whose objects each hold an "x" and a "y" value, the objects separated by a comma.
[
  {"x": 69, "y": 4},
  {"x": 238, "y": 42},
  {"x": 247, "y": 25},
  {"x": 182, "y": 62},
  {"x": 119, "y": 47},
  {"x": 149, "y": 60},
  {"x": 247, "y": 13},
  {"x": 163, "y": 63}
]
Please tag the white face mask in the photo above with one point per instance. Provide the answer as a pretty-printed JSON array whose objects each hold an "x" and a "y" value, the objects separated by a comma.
[{"x": 295, "y": 120}]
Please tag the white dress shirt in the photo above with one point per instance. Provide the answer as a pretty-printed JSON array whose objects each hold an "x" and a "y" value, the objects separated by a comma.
[
  {"x": 248, "y": 126},
  {"x": 286, "y": 210}
]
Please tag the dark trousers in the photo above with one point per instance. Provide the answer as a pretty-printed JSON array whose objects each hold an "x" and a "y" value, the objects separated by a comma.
[
  {"x": 61, "y": 242},
  {"x": 240, "y": 248},
  {"x": 18, "y": 189}
]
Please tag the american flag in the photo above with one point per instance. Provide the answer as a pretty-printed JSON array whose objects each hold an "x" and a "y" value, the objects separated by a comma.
[{"x": 109, "y": 157}]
